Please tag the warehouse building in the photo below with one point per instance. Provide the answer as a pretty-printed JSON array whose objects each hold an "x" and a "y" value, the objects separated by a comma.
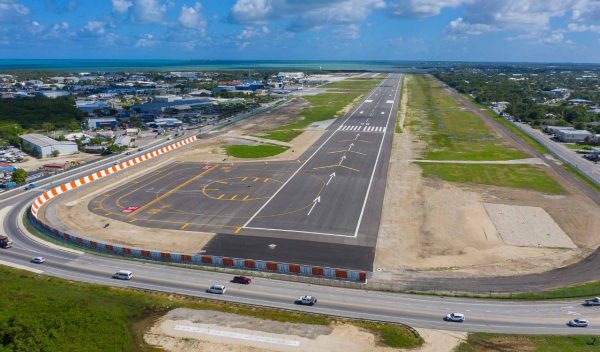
[
  {"x": 574, "y": 136},
  {"x": 102, "y": 122},
  {"x": 45, "y": 146}
]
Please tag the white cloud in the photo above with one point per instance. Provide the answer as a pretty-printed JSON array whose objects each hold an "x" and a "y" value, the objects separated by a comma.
[
  {"x": 252, "y": 10},
  {"x": 97, "y": 27},
  {"x": 121, "y": 6},
  {"x": 350, "y": 31},
  {"x": 190, "y": 17},
  {"x": 423, "y": 8},
  {"x": 149, "y": 11},
  {"x": 460, "y": 27},
  {"x": 146, "y": 41},
  {"x": 305, "y": 15},
  {"x": 576, "y": 27},
  {"x": 11, "y": 12}
]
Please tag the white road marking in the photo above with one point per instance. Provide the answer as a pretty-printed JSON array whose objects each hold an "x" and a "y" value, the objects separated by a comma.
[
  {"x": 368, "y": 101},
  {"x": 307, "y": 160},
  {"x": 362, "y": 211},
  {"x": 330, "y": 178},
  {"x": 298, "y": 231},
  {"x": 317, "y": 200},
  {"x": 389, "y": 102}
]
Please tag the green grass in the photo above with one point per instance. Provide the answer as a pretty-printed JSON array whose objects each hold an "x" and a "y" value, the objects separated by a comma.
[
  {"x": 254, "y": 151},
  {"x": 514, "y": 176},
  {"x": 487, "y": 342},
  {"x": 40, "y": 313},
  {"x": 451, "y": 133},
  {"x": 578, "y": 146},
  {"x": 282, "y": 135},
  {"x": 363, "y": 84}
]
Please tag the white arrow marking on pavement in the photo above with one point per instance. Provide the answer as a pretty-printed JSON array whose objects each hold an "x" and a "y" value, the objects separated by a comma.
[
  {"x": 330, "y": 177},
  {"x": 350, "y": 146},
  {"x": 342, "y": 160},
  {"x": 317, "y": 200},
  {"x": 357, "y": 135}
]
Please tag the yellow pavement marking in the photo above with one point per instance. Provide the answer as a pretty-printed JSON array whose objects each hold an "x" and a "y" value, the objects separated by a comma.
[
  {"x": 184, "y": 226},
  {"x": 237, "y": 230},
  {"x": 352, "y": 151},
  {"x": 233, "y": 197},
  {"x": 255, "y": 179},
  {"x": 349, "y": 168},
  {"x": 245, "y": 178},
  {"x": 222, "y": 182},
  {"x": 175, "y": 189},
  {"x": 132, "y": 221},
  {"x": 325, "y": 167},
  {"x": 266, "y": 180},
  {"x": 221, "y": 196},
  {"x": 211, "y": 189},
  {"x": 246, "y": 197}
]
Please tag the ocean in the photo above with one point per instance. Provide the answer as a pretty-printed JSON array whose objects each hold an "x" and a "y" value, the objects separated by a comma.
[{"x": 79, "y": 65}]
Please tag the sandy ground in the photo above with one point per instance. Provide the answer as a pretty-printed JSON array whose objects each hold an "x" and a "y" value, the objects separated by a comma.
[
  {"x": 431, "y": 225},
  {"x": 70, "y": 213},
  {"x": 33, "y": 164},
  {"x": 526, "y": 226},
  {"x": 183, "y": 330}
]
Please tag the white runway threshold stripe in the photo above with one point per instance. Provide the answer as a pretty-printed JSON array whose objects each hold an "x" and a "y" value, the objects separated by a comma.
[
  {"x": 237, "y": 335},
  {"x": 363, "y": 129}
]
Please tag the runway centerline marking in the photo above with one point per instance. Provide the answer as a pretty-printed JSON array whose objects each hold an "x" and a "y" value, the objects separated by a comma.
[{"x": 309, "y": 158}]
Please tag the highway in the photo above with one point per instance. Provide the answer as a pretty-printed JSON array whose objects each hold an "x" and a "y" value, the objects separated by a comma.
[
  {"x": 415, "y": 310},
  {"x": 587, "y": 167}
]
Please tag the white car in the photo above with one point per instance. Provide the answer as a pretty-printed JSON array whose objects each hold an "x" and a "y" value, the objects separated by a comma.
[
  {"x": 218, "y": 289},
  {"x": 578, "y": 323},
  {"x": 38, "y": 260},
  {"x": 306, "y": 300},
  {"x": 456, "y": 317},
  {"x": 123, "y": 275}
]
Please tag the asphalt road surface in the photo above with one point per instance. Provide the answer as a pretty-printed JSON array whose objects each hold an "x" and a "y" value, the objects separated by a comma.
[
  {"x": 419, "y": 311},
  {"x": 332, "y": 194}
]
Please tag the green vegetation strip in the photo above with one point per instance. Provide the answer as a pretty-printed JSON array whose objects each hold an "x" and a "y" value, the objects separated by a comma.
[
  {"x": 363, "y": 84},
  {"x": 40, "y": 313},
  {"x": 254, "y": 151},
  {"x": 480, "y": 342},
  {"x": 515, "y": 176},
  {"x": 281, "y": 135},
  {"x": 451, "y": 132}
]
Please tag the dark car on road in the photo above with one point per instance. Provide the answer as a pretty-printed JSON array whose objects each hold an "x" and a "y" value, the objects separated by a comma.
[{"x": 241, "y": 280}]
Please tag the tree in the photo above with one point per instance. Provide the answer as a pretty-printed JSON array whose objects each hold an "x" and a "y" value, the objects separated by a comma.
[
  {"x": 19, "y": 176},
  {"x": 48, "y": 126},
  {"x": 55, "y": 153},
  {"x": 73, "y": 126}
]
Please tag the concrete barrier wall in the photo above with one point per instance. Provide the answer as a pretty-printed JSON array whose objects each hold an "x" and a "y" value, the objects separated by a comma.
[{"x": 206, "y": 260}]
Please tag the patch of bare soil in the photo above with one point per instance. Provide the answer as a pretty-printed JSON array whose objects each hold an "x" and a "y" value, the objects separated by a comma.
[
  {"x": 186, "y": 330},
  {"x": 212, "y": 150},
  {"x": 33, "y": 164},
  {"x": 432, "y": 225}
]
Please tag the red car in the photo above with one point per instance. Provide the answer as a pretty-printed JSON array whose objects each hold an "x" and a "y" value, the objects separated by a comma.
[{"x": 241, "y": 280}]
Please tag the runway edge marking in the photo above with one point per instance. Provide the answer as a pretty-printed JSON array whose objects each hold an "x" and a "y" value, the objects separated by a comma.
[
  {"x": 362, "y": 211},
  {"x": 310, "y": 157}
]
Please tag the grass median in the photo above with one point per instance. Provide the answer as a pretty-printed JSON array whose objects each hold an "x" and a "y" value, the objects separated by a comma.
[
  {"x": 514, "y": 176},
  {"x": 486, "y": 342},
  {"x": 40, "y": 313},
  {"x": 450, "y": 131},
  {"x": 254, "y": 151}
]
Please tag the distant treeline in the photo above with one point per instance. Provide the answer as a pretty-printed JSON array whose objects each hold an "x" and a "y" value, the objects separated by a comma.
[{"x": 34, "y": 113}]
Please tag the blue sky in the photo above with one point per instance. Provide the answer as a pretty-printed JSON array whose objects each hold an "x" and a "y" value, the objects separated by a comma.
[{"x": 469, "y": 30}]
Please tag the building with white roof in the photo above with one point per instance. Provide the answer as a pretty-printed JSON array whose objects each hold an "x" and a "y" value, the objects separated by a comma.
[{"x": 45, "y": 146}]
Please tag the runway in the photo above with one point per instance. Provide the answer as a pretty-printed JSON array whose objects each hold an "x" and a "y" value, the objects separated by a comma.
[{"x": 332, "y": 194}]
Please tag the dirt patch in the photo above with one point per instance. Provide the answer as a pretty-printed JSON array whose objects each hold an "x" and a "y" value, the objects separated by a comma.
[
  {"x": 435, "y": 226},
  {"x": 440, "y": 340},
  {"x": 527, "y": 226},
  {"x": 183, "y": 330},
  {"x": 33, "y": 164}
]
